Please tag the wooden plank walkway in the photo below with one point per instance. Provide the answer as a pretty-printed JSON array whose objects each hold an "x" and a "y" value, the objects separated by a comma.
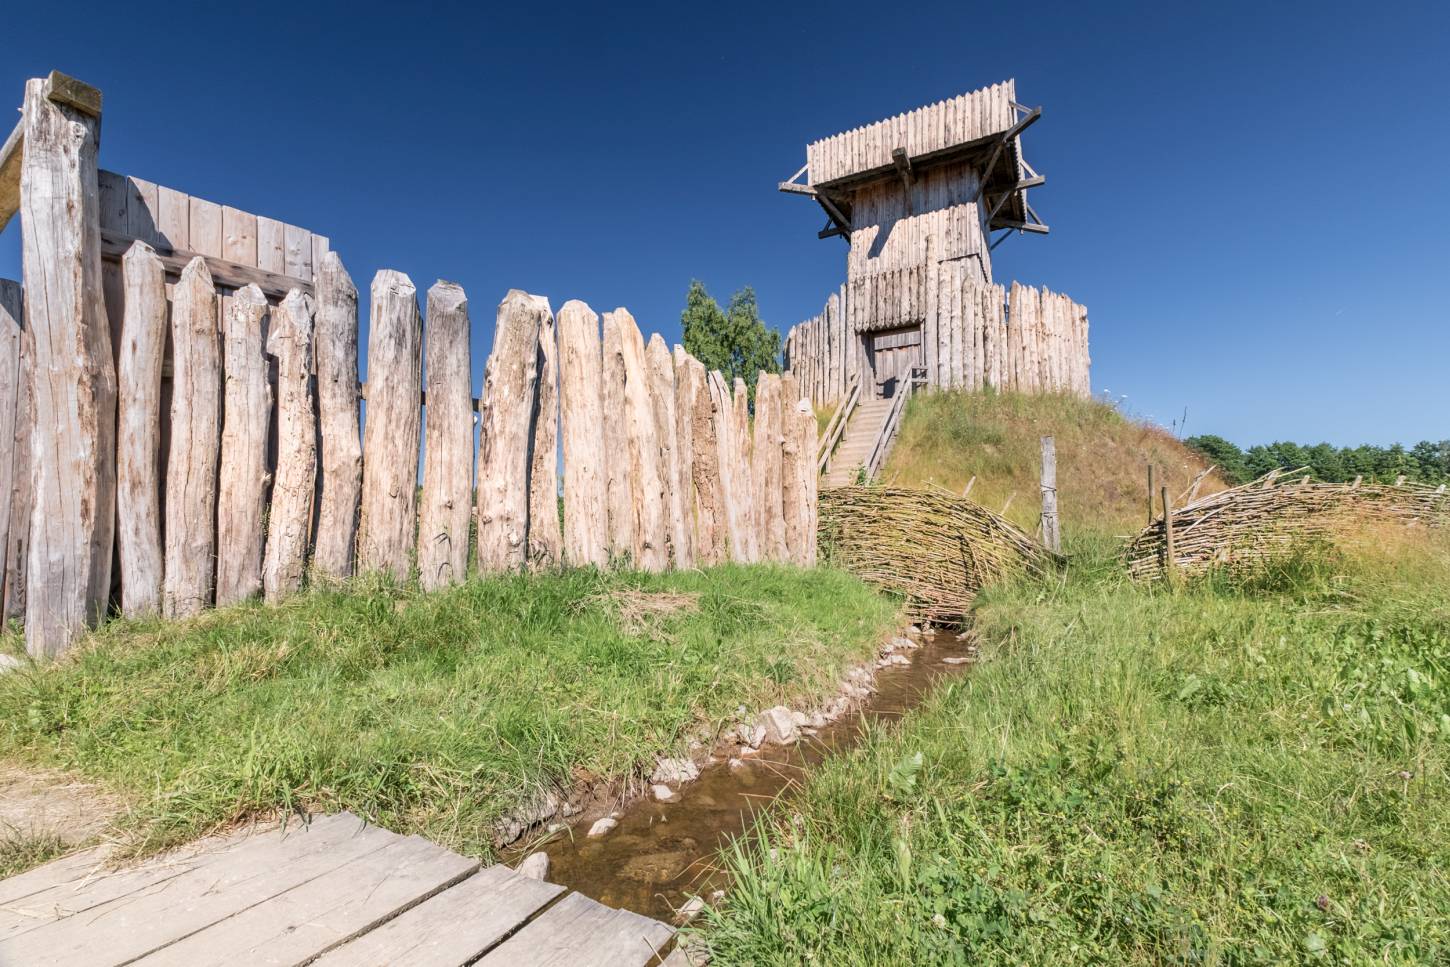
[{"x": 334, "y": 892}]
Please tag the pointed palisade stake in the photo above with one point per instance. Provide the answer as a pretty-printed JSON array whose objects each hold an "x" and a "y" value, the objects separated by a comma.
[
  {"x": 586, "y": 520},
  {"x": 289, "y": 524},
  {"x": 546, "y": 543},
  {"x": 747, "y": 502},
  {"x": 388, "y": 520},
  {"x": 662, "y": 401},
  {"x": 734, "y": 518},
  {"x": 246, "y": 417},
  {"x": 710, "y": 536},
  {"x": 191, "y": 464},
  {"x": 138, "y": 437},
  {"x": 448, "y": 445},
  {"x": 335, "y": 346},
  {"x": 684, "y": 443},
  {"x": 768, "y": 476},
  {"x": 15, "y": 393},
  {"x": 510, "y": 383},
  {"x": 73, "y": 511},
  {"x": 618, "y": 498},
  {"x": 650, "y": 550}
]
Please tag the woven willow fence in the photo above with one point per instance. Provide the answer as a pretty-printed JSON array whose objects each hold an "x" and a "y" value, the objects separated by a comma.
[
  {"x": 1247, "y": 526},
  {"x": 935, "y": 549}
]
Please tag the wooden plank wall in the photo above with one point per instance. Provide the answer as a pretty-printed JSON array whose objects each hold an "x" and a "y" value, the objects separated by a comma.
[
  {"x": 935, "y": 127},
  {"x": 890, "y": 223},
  {"x": 974, "y": 333}
]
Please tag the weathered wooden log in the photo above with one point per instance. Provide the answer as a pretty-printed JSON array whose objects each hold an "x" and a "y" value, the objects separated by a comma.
[
  {"x": 685, "y": 452},
  {"x": 618, "y": 495},
  {"x": 767, "y": 478},
  {"x": 335, "y": 345},
  {"x": 73, "y": 489},
  {"x": 246, "y": 419},
  {"x": 546, "y": 545},
  {"x": 662, "y": 401},
  {"x": 710, "y": 535},
  {"x": 650, "y": 550},
  {"x": 810, "y": 482},
  {"x": 289, "y": 524},
  {"x": 1051, "y": 529},
  {"x": 793, "y": 499},
  {"x": 195, "y": 445},
  {"x": 752, "y": 533},
  {"x": 734, "y": 517},
  {"x": 586, "y": 520},
  {"x": 510, "y": 385},
  {"x": 15, "y": 393},
  {"x": 391, "y": 431},
  {"x": 447, "y": 500}
]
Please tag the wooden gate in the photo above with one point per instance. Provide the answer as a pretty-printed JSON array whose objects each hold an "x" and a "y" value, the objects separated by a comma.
[{"x": 893, "y": 353}]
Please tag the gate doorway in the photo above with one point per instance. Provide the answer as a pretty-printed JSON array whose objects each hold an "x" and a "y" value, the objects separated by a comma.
[{"x": 892, "y": 353}]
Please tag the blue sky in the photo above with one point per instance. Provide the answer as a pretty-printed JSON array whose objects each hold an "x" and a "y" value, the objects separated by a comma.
[{"x": 1248, "y": 197}]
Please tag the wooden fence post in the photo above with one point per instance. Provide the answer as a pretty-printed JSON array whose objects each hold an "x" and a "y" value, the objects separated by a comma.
[
  {"x": 618, "y": 501},
  {"x": 743, "y": 455},
  {"x": 646, "y": 487},
  {"x": 335, "y": 342},
  {"x": 510, "y": 382},
  {"x": 73, "y": 512},
  {"x": 289, "y": 525},
  {"x": 1051, "y": 528},
  {"x": 247, "y": 414},
  {"x": 733, "y": 519},
  {"x": 767, "y": 476},
  {"x": 704, "y": 465},
  {"x": 582, "y": 423},
  {"x": 1151, "y": 515},
  {"x": 15, "y": 392},
  {"x": 546, "y": 544},
  {"x": 391, "y": 430},
  {"x": 685, "y": 446},
  {"x": 662, "y": 401},
  {"x": 191, "y": 463},
  {"x": 448, "y": 449},
  {"x": 1170, "y": 562}
]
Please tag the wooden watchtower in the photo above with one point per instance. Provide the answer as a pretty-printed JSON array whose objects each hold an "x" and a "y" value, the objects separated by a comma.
[{"x": 922, "y": 189}]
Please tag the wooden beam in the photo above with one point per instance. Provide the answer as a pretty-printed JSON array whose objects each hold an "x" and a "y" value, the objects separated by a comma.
[
  {"x": 830, "y": 231},
  {"x": 903, "y": 165},
  {"x": 790, "y": 187},
  {"x": 10, "y": 173},
  {"x": 1035, "y": 227},
  {"x": 840, "y": 219},
  {"x": 1002, "y": 142},
  {"x": 64, "y": 89},
  {"x": 115, "y": 244}
]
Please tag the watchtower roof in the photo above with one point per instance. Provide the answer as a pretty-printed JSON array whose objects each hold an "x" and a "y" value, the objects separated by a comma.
[{"x": 982, "y": 126}]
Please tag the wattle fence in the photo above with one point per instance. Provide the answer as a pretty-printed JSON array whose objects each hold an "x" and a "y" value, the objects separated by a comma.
[{"x": 202, "y": 420}]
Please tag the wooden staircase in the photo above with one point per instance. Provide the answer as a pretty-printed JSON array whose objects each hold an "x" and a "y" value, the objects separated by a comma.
[{"x": 862, "y": 432}]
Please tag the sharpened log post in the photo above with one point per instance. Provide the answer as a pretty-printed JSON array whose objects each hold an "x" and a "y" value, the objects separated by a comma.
[
  {"x": 246, "y": 418},
  {"x": 684, "y": 441},
  {"x": 742, "y": 455},
  {"x": 1051, "y": 528},
  {"x": 661, "y": 367},
  {"x": 448, "y": 447},
  {"x": 767, "y": 476},
  {"x": 650, "y": 550},
  {"x": 391, "y": 430},
  {"x": 619, "y": 506},
  {"x": 73, "y": 442},
  {"x": 289, "y": 525},
  {"x": 1151, "y": 514},
  {"x": 582, "y": 423},
  {"x": 546, "y": 543},
  {"x": 195, "y": 446},
  {"x": 335, "y": 344},
  {"x": 704, "y": 465},
  {"x": 1170, "y": 561},
  {"x": 138, "y": 438},
  {"x": 15, "y": 392},
  {"x": 510, "y": 382}
]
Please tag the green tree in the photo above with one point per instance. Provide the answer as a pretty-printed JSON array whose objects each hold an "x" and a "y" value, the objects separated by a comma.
[
  {"x": 734, "y": 340},
  {"x": 1223, "y": 454}
]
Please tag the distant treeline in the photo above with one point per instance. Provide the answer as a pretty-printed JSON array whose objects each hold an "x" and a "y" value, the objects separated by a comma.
[{"x": 1425, "y": 462}]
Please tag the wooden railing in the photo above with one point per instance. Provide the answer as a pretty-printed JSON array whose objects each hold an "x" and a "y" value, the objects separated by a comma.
[
  {"x": 836, "y": 428},
  {"x": 887, "y": 436}
]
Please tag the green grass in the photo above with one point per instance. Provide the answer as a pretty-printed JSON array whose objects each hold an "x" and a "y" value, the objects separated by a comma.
[
  {"x": 948, "y": 438},
  {"x": 428, "y": 713},
  {"x": 1250, "y": 773},
  {"x": 20, "y": 851}
]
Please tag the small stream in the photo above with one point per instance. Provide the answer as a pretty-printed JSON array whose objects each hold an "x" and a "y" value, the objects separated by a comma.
[{"x": 662, "y": 853}]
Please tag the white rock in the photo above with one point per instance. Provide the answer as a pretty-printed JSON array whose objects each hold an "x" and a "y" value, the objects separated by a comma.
[
  {"x": 956, "y": 661},
  {"x": 602, "y": 826},
  {"x": 690, "y": 910},
  {"x": 735, "y": 763},
  {"x": 779, "y": 725},
  {"x": 903, "y": 644},
  {"x": 757, "y": 736},
  {"x": 800, "y": 718},
  {"x": 662, "y": 793},
  {"x": 675, "y": 771},
  {"x": 535, "y": 866},
  {"x": 898, "y": 660},
  {"x": 818, "y": 721},
  {"x": 9, "y": 663},
  {"x": 913, "y": 630}
]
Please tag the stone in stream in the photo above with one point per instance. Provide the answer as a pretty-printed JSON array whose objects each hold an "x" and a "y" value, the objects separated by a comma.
[
  {"x": 903, "y": 644},
  {"x": 779, "y": 725},
  {"x": 956, "y": 661},
  {"x": 602, "y": 826},
  {"x": 675, "y": 771},
  {"x": 535, "y": 866},
  {"x": 9, "y": 663},
  {"x": 662, "y": 792},
  {"x": 690, "y": 910}
]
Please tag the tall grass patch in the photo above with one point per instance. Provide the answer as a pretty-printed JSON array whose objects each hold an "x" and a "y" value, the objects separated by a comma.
[
  {"x": 1245, "y": 771},
  {"x": 431, "y": 713}
]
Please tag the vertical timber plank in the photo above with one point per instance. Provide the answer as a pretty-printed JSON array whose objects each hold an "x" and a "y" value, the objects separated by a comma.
[
  {"x": 15, "y": 390},
  {"x": 448, "y": 441},
  {"x": 335, "y": 342},
  {"x": 510, "y": 384},
  {"x": 545, "y": 541},
  {"x": 289, "y": 523},
  {"x": 138, "y": 480},
  {"x": 246, "y": 418},
  {"x": 586, "y": 520}
]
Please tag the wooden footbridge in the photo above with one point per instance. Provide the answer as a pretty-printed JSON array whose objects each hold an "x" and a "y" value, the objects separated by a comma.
[{"x": 333, "y": 892}]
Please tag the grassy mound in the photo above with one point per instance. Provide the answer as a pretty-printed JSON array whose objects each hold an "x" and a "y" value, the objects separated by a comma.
[
  {"x": 1102, "y": 456},
  {"x": 1239, "y": 773},
  {"x": 430, "y": 713}
]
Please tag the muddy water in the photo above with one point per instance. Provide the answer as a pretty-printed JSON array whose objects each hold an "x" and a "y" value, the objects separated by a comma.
[{"x": 662, "y": 853}]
